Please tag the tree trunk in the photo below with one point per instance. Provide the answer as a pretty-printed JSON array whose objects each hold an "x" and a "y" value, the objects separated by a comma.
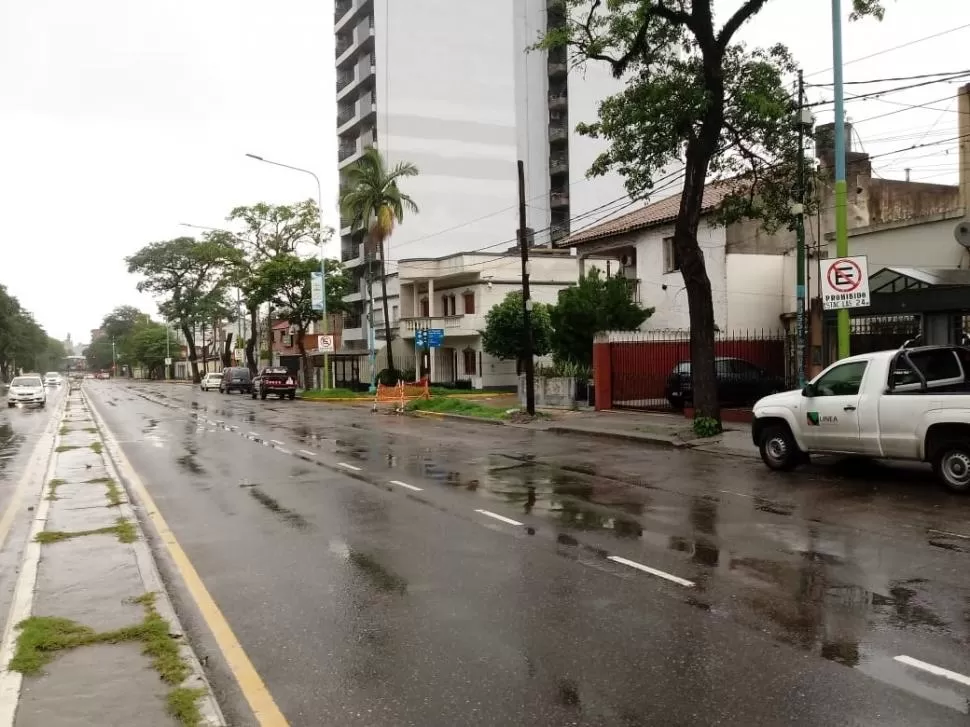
[
  {"x": 227, "y": 351},
  {"x": 305, "y": 361},
  {"x": 387, "y": 317},
  {"x": 253, "y": 338},
  {"x": 193, "y": 356},
  {"x": 694, "y": 271}
]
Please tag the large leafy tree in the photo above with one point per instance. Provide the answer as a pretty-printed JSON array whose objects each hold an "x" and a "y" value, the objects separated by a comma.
[
  {"x": 373, "y": 201},
  {"x": 149, "y": 343},
  {"x": 23, "y": 343},
  {"x": 595, "y": 305},
  {"x": 694, "y": 97},
  {"x": 284, "y": 281},
  {"x": 264, "y": 232},
  {"x": 504, "y": 334},
  {"x": 192, "y": 277},
  {"x": 118, "y": 327}
]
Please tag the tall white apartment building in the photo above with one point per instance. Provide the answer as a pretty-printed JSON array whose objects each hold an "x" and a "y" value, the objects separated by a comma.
[{"x": 453, "y": 88}]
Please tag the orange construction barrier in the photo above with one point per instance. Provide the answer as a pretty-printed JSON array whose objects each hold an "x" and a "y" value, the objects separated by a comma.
[{"x": 401, "y": 393}]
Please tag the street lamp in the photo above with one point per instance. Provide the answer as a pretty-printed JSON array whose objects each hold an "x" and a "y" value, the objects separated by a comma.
[{"x": 323, "y": 256}]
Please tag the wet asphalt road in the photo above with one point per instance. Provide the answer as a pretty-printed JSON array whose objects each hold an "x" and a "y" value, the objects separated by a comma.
[{"x": 359, "y": 561}]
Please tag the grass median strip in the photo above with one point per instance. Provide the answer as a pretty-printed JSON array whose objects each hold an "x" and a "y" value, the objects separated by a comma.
[
  {"x": 54, "y": 484},
  {"x": 122, "y": 528},
  {"x": 445, "y": 405},
  {"x": 96, "y": 447},
  {"x": 41, "y": 637}
]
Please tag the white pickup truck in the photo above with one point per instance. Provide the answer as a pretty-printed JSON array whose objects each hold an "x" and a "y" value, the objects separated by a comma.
[{"x": 908, "y": 404}]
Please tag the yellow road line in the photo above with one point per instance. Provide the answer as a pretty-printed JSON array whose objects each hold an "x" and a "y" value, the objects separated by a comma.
[{"x": 264, "y": 707}]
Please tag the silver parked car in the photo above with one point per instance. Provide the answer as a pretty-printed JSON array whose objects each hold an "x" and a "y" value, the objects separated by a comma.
[{"x": 27, "y": 389}]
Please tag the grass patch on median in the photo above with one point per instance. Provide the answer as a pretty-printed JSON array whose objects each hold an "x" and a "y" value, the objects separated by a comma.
[
  {"x": 63, "y": 430},
  {"x": 54, "y": 484},
  {"x": 113, "y": 493},
  {"x": 122, "y": 528},
  {"x": 446, "y": 405},
  {"x": 42, "y": 637},
  {"x": 335, "y": 394},
  {"x": 90, "y": 430},
  {"x": 97, "y": 447},
  {"x": 65, "y": 448}
]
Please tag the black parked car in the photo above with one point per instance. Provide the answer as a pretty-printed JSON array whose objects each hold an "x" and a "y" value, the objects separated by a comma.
[
  {"x": 238, "y": 378},
  {"x": 739, "y": 382},
  {"x": 274, "y": 380}
]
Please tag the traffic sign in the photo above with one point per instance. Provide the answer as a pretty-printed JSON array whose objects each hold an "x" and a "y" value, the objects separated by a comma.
[
  {"x": 325, "y": 344},
  {"x": 429, "y": 337},
  {"x": 168, "y": 361},
  {"x": 845, "y": 283}
]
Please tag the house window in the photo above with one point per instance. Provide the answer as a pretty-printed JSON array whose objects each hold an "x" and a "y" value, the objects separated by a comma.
[
  {"x": 425, "y": 307},
  {"x": 469, "y": 355},
  {"x": 444, "y": 305},
  {"x": 468, "y": 300},
  {"x": 454, "y": 306},
  {"x": 671, "y": 258},
  {"x": 394, "y": 314}
]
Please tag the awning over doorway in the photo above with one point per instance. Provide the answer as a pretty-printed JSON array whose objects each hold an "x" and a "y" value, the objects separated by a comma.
[{"x": 900, "y": 279}]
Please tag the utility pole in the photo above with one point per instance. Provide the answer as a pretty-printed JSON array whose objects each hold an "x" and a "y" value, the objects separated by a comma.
[
  {"x": 800, "y": 234},
  {"x": 841, "y": 189},
  {"x": 530, "y": 383},
  {"x": 114, "y": 358}
]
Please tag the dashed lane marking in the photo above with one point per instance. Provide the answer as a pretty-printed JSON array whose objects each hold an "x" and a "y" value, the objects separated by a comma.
[
  {"x": 652, "y": 571},
  {"x": 355, "y": 468},
  {"x": 406, "y": 485},
  {"x": 307, "y": 452},
  {"x": 500, "y": 518},
  {"x": 933, "y": 669}
]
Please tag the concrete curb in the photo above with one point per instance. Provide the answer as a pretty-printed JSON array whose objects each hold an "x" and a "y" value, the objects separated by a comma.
[
  {"x": 658, "y": 439},
  {"x": 151, "y": 579},
  {"x": 458, "y": 417}
]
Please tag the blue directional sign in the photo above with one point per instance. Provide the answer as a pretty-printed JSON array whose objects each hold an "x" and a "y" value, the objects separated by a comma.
[{"x": 429, "y": 337}]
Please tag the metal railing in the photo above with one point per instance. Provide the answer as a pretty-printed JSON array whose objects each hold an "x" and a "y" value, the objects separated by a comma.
[
  {"x": 343, "y": 44},
  {"x": 558, "y": 163},
  {"x": 349, "y": 252},
  {"x": 558, "y": 132},
  {"x": 341, "y": 8},
  {"x": 344, "y": 79},
  {"x": 421, "y": 322},
  {"x": 558, "y": 199}
]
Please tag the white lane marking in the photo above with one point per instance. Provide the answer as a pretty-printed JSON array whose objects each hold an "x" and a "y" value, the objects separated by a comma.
[
  {"x": 307, "y": 452},
  {"x": 348, "y": 466},
  {"x": 283, "y": 450},
  {"x": 254, "y": 435},
  {"x": 277, "y": 442},
  {"x": 501, "y": 518},
  {"x": 652, "y": 571},
  {"x": 949, "y": 534},
  {"x": 933, "y": 669},
  {"x": 406, "y": 485}
]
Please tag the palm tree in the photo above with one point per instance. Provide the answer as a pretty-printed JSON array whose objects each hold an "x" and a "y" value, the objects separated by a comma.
[{"x": 373, "y": 202}]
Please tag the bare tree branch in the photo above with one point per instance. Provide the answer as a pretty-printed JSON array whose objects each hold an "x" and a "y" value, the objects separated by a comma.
[{"x": 743, "y": 14}]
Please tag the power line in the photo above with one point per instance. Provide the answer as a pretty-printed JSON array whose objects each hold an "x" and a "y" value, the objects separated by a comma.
[
  {"x": 897, "y": 89},
  {"x": 893, "y": 48},
  {"x": 888, "y": 79}
]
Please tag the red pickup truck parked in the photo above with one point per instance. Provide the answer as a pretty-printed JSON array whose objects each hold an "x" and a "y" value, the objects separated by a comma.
[{"x": 274, "y": 380}]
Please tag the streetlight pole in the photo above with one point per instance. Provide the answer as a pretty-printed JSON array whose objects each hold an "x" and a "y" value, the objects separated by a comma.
[
  {"x": 841, "y": 188},
  {"x": 323, "y": 257}
]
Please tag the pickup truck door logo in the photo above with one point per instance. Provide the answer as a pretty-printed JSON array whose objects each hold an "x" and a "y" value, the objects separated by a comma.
[{"x": 816, "y": 420}]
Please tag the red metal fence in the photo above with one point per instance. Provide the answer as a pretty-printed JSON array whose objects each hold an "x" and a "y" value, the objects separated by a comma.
[{"x": 634, "y": 370}]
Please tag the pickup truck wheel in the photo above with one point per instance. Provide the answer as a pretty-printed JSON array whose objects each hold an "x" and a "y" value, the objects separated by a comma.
[
  {"x": 951, "y": 463},
  {"x": 778, "y": 448}
]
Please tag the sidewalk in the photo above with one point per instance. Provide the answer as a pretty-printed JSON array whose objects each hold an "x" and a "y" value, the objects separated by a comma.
[
  {"x": 93, "y": 636},
  {"x": 672, "y": 430}
]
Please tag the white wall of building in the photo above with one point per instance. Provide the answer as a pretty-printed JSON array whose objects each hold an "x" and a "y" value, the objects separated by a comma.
[
  {"x": 756, "y": 292},
  {"x": 446, "y": 103},
  {"x": 665, "y": 291},
  {"x": 929, "y": 245}
]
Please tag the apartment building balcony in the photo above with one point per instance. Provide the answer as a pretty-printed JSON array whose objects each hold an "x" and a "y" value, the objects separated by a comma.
[
  {"x": 559, "y": 231},
  {"x": 363, "y": 75},
  {"x": 350, "y": 116},
  {"x": 352, "y": 44},
  {"x": 460, "y": 325},
  {"x": 558, "y": 163},
  {"x": 558, "y": 101},
  {"x": 346, "y": 149},
  {"x": 346, "y": 11},
  {"x": 558, "y": 65},
  {"x": 559, "y": 199},
  {"x": 349, "y": 251},
  {"x": 558, "y": 132}
]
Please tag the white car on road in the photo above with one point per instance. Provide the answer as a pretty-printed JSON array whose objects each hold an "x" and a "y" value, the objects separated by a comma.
[
  {"x": 211, "y": 381},
  {"x": 908, "y": 404},
  {"x": 52, "y": 378},
  {"x": 27, "y": 389}
]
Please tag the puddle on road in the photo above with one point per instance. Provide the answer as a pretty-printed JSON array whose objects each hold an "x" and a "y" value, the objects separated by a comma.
[
  {"x": 9, "y": 443},
  {"x": 188, "y": 460},
  {"x": 376, "y": 572},
  {"x": 288, "y": 516}
]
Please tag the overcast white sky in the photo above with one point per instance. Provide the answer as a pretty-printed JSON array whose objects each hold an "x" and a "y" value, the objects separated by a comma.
[{"x": 120, "y": 119}]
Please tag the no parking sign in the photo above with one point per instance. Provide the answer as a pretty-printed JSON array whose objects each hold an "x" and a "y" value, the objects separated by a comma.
[{"x": 845, "y": 283}]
